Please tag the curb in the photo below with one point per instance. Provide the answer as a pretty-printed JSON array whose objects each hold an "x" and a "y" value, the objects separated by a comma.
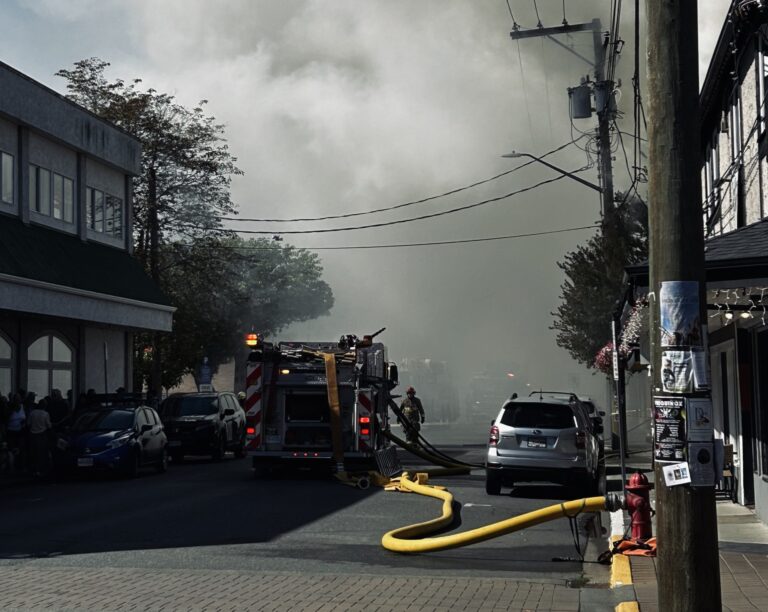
[{"x": 621, "y": 576}]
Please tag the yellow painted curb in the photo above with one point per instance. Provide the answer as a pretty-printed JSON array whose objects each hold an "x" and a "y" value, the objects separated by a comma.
[
  {"x": 621, "y": 571},
  {"x": 628, "y": 606}
]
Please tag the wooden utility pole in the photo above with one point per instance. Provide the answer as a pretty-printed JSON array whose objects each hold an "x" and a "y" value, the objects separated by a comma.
[{"x": 687, "y": 566}]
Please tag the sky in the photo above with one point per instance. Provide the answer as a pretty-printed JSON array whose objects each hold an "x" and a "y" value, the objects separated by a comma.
[{"x": 352, "y": 105}]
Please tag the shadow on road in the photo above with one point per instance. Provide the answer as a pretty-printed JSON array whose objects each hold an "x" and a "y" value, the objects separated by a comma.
[{"x": 196, "y": 503}]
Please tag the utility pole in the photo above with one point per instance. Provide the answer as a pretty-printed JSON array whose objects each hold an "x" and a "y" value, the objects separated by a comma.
[
  {"x": 603, "y": 90},
  {"x": 605, "y": 109},
  {"x": 688, "y": 564}
]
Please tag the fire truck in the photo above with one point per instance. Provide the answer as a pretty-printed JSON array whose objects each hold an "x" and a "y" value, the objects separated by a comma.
[{"x": 314, "y": 403}]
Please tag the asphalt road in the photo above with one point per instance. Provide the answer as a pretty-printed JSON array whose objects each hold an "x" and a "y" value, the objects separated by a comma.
[{"x": 207, "y": 515}]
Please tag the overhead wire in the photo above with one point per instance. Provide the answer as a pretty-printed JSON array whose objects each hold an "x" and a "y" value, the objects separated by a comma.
[
  {"x": 402, "y": 245},
  {"x": 410, "y": 219},
  {"x": 410, "y": 203}
]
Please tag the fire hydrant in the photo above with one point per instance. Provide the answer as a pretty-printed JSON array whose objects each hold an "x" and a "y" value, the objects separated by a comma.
[{"x": 638, "y": 505}]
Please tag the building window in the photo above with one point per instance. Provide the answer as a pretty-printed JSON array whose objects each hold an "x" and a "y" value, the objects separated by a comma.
[
  {"x": 51, "y": 194},
  {"x": 6, "y": 366},
  {"x": 6, "y": 178},
  {"x": 50, "y": 365},
  {"x": 105, "y": 212}
]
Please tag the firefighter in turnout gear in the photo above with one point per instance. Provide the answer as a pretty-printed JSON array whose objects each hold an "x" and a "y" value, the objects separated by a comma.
[{"x": 413, "y": 411}]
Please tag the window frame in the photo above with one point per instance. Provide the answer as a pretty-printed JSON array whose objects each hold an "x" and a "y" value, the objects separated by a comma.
[
  {"x": 50, "y": 365},
  {"x": 43, "y": 195},
  {"x": 99, "y": 223},
  {"x": 4, "y": 156},
  {"x": 8, "y": 363}
]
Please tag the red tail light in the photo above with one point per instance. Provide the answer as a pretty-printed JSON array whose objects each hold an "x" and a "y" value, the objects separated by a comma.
[
  {"x": 494, "y": 439},
  {"x": 365, "y": 419},
  {"x": 365, "y": 432},
  {"x": 581, "y": 439},
  {"x": 251, "y": 431}
]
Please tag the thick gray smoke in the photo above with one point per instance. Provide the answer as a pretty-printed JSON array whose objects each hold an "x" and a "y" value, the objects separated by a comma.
[{"x": 346, "y": 106}]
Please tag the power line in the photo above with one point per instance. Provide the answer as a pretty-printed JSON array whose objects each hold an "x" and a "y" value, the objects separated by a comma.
[
  {"x": 402, "y": 245},
  {"x": 405, "y": 204},
  {"x": 411, "y": 219}
]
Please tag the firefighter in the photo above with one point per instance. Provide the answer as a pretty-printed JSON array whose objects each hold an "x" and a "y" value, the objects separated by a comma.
[{"x": 413, "y": 411}]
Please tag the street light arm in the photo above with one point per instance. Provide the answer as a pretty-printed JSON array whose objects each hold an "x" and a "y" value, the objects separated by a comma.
[{"x": 556, "y": 169}]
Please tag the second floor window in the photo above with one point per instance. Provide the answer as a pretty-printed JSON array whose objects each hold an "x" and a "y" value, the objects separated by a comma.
[
  {"x": 105, "y": 212},
  {"x": 6, "y": 178},
  {"x": 51, "y": 194}
]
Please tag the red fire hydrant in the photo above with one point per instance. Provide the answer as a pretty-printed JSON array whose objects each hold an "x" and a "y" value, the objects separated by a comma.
[{"x": 639, "y": 506}]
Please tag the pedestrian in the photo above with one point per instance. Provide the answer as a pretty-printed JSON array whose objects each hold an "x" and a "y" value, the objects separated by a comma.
[
  {"x": 413, "y": 412},
  {"x": 16, "y": 431},
  {"x": 58, "y": 409},
  {"x": 39, "y": 422}
]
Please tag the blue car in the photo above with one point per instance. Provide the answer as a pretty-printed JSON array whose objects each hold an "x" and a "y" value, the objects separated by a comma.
[{"x": 120, "y": 439}]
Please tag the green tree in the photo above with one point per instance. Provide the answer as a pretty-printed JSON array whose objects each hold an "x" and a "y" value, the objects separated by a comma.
[
  {"x": 218, "y": 282},
  {"x": 594, "y": 281}
]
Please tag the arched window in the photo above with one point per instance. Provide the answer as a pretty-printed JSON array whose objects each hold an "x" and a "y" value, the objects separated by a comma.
[
  {"x": 50, "y": 365},
  {"x": 6, "y": 366}
]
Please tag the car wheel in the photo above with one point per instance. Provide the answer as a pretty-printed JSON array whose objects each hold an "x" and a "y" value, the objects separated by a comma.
[
  {"x": 134, "y": 468},
  {"x": 221, "y": 449},
  {"x": 240, "y": 450},
  {"x": 492, "y": 483},
  {"x": 162, "y": 466}
]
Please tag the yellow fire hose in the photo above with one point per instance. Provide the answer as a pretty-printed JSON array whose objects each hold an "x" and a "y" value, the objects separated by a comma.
[{"x": 403, "y": 540}]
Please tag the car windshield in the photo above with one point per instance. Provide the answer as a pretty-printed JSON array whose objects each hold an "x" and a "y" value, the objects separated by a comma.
[
  {"x": 190, "y": 406},
  {"x": 538, "y": 415},
  {"x": 106, "y": 420}
]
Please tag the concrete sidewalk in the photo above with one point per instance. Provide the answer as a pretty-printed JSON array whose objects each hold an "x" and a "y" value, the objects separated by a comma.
[{"x": 743, "y": 542}]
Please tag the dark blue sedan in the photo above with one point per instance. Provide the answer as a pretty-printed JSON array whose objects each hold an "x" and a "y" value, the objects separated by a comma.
[{"x": 120, "y": 439}]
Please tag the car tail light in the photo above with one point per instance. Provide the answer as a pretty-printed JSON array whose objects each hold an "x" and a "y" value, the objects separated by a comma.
[
  {"x": 365, "y": 432},
  {"x": 581, "y": 439},
  {"x": 365, "y": 419},
  {"x": 251, "y": 431},
  {"x": 494, "y": 439}
]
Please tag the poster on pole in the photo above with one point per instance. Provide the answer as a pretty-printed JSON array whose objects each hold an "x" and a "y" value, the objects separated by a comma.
[
  {"x": 680, "y": 315},
  {"x": 669, "y": 420},
  {"x": 677, "y": 371},
  {"x": 676, "y": 474},
  {"x": 699, "y": 412}
]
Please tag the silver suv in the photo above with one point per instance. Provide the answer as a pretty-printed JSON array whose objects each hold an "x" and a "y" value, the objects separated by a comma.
[{"x": 542, "y": 438}]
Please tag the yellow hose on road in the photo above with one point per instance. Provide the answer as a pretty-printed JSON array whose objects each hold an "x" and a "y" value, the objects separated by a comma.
[{"x": 403, "y": 540}]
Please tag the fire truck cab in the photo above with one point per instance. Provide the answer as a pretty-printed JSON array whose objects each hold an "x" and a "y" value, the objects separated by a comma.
[{"x": 315, "y": 403}]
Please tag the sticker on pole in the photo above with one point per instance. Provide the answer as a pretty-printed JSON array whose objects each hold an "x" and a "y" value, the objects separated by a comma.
[
  {"x": 699, "y": 412},
  {"x": 676, "y": 474},
  {"x": 669, "y": 421},
  {"x": 701, "y": 457}
]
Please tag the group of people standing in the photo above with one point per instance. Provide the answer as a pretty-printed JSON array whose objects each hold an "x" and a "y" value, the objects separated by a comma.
[{"x": 27, "y": 427}]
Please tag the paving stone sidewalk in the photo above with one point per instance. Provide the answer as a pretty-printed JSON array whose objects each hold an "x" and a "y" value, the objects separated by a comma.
[
  {"x": 27, "y": 588},
  {"x": 743, "y": 582}
]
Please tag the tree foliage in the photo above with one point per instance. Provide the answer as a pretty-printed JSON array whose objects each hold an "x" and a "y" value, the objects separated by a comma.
[
  {"x": 220, "y": 284},
  {"x": 594, "y": 275}
]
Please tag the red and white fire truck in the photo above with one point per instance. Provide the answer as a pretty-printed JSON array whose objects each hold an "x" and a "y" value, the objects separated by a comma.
[{"x": 319, "y": 402}]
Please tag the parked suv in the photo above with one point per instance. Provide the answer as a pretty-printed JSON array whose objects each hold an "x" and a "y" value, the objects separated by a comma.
[
  {"x": 203, "y": 424},
  {"x": 543, "y": 438}
]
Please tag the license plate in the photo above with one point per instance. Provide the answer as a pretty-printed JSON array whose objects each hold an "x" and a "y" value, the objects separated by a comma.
[
  {"x": 174, "y": 442},
  {"x": 537, "y": 443},
  {"x": 84, "y": 462}
]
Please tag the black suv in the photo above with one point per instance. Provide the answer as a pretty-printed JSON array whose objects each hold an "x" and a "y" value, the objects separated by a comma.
[{"x": 203, "y": 424}]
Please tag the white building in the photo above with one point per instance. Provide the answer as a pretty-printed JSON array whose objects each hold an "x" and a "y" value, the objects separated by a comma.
[{"x": 71, "y": 293}]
